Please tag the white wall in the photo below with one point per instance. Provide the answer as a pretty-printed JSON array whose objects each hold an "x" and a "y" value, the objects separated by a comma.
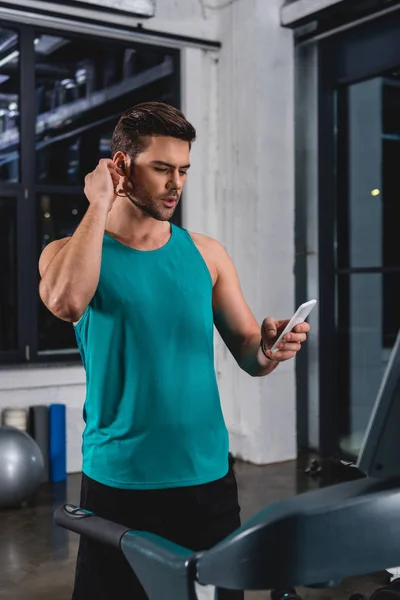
[
  {"x": 185, "y": 17},
  {"x": 248, "y": 202},
  {"x": 240, "y": 190},
  {"x": 256, "y": 199}
]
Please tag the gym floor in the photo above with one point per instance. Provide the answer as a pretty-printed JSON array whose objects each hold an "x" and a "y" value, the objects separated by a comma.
[{"x": 37, "y": 559}]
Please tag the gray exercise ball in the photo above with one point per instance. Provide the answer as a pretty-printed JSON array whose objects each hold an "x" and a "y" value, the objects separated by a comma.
[{"x": 21, "y": 467}]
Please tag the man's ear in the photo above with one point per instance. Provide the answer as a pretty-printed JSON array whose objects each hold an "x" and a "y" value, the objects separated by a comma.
[{"x": 119, "y": 159}]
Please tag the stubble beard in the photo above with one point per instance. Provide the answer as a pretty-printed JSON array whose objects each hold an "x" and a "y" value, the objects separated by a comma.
[{"x": 150, "y": 207}]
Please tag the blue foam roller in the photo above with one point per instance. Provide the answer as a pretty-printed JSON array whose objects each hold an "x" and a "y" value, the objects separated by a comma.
[{"x": 58, "y": 442}]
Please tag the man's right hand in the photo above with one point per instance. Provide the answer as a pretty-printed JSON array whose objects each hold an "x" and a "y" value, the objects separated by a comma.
[{"x": 101, "y": 183}]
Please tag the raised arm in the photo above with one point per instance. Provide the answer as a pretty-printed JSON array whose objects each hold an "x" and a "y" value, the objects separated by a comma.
[
  {"x": 70, "y": 268},
  {"x": 239, "y": 328}
]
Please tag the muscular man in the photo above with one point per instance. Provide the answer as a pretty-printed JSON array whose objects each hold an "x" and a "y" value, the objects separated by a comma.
[{"x": 144, "y": 296}]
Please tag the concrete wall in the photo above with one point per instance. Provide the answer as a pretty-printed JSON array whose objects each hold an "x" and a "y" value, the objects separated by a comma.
[
  {"x": 256, "y": 212},
  {"x": 240, "y": 190}
]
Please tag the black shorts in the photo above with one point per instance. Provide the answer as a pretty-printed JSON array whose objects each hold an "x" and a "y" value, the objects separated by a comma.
[{"x": 195, "y": 517}]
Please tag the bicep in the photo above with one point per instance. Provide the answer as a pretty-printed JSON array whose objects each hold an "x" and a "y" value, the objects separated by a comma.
[
  {"x": 49, "y": 252},
  {"x": 232, "y": 316}
]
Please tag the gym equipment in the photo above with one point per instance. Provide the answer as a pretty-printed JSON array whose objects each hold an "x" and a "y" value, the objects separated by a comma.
[
  {"x": 21, "y": 467},
  {"x": 284, "y": 594},
  {"x": 39, "y": 430},
  {"x": 314, "y": 539},
  {"x": 328, "y": 471},
  {"x": 57, "y": 443},
  {"x": 386, "y": 593},
  {"x": 15, "y": 417}
]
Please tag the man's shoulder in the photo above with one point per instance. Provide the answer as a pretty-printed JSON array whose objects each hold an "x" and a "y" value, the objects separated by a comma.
[{"x": 206, "y": 242}]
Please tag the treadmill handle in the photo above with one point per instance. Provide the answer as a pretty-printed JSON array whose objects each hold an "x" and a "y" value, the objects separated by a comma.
[{"x": 86, "y": 523}]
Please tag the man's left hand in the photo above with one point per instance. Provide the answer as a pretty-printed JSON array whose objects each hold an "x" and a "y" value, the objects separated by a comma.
[{"x": 287, "y": 347}]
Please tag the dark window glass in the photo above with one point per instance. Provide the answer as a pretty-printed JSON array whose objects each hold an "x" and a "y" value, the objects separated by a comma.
[
  {"x": 368, "y": 259},
  {"x": 8, "y": 272},
  {"x": 367, "y": 222},
  {"x": 81, "y": 90},
  {"x": 390, "y": 308},
  {"x": 367, "y": 315},
  {"x": 9, "y": 105},
  {"x": 58, "y": 217}
]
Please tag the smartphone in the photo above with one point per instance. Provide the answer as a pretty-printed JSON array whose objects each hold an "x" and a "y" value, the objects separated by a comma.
[{"x": 299, "y": 317}]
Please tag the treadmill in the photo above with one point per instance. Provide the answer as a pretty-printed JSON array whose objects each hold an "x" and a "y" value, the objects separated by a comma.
[{"x": 314, "y": 539}]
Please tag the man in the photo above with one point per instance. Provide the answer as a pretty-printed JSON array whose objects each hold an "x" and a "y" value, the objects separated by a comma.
[{"x": 144, "y": 296}]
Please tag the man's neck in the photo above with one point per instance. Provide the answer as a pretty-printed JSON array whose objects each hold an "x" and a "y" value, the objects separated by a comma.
[{"x": 132, "y": 227}]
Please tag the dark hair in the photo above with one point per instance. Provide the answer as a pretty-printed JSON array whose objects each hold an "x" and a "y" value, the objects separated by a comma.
[{"x": 135, "y": 127}]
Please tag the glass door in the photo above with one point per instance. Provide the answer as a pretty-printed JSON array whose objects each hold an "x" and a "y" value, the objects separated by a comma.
[
  {"x": 359, "y": 206},
  {"x": 367, "y": 268}
]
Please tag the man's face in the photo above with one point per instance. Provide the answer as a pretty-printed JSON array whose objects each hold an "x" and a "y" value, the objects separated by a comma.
[{"x": 158, "y": 176}]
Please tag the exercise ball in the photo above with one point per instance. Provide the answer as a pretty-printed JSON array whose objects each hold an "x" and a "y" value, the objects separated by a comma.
[{"x": 21, "y": 467}]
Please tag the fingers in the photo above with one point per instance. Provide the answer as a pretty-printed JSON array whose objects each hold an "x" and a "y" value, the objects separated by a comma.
[
  {"x": 115, "y": 172},
  {"x": 109, "y": 164},
  {"x": 114, "y": 169},
  {"x": 103, "y": 181},
  {"x": 291, "y": 347},
  {"x": 302, "y": 328},
  {"x": 269, "y": 328},
  {"x": 282, "y": 356},
  {"x": 272, "y": 328},
  {"x": 286, "y": 351},
  {"x": 295, "y": 337}
]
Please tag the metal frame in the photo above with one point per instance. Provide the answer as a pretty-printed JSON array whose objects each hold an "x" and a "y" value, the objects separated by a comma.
[
  {"x": 54, "y": 16},
  {"x": 306, "y": 240},
  {"x": 27, "y": 266},
  {"x": 320, "y": 19},
  {"x": 298, "y": 10},
  {"x": 353, "y": 56}
]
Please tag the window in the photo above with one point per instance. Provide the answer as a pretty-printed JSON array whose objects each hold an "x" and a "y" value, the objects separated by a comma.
[
  {"x": 81, "y": 90},
  {"x": 9, "y": 105},
  {"x": 8, "y": 297},
  {"x": 368, "y": 266},
  {"x": 359, "y": 271},
  {"x": 58, "y": 216},
  {"x": 51, "y": 136}
]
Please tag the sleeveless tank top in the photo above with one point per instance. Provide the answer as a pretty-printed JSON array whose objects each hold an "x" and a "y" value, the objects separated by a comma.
[{"x": 152, "y": 411}]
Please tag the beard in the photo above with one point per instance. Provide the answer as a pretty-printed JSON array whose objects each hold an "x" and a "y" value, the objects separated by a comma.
[{"x": 151, "y": 206}]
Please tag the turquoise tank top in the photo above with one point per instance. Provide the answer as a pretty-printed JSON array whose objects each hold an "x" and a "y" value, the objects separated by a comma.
[{"x": 152, "y": 412}]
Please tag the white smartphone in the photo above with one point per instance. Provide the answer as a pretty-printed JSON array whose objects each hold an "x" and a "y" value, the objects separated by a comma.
[{"x": 299, "y": 317}]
